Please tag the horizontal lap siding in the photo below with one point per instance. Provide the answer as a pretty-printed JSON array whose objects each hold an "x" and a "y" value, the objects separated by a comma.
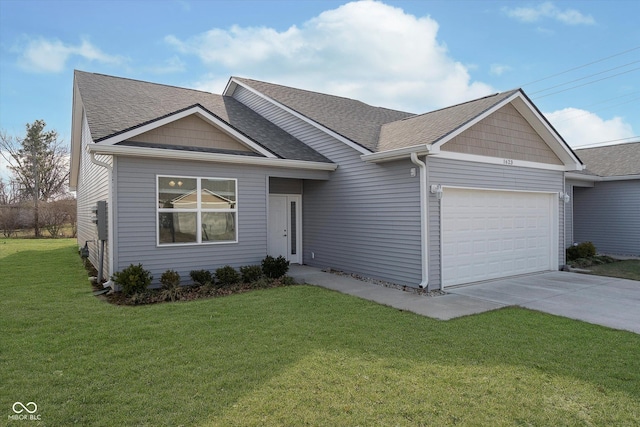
[
  {"x": 366, "y": 218},
  {"x": 369, "y": 225},
  {"x": 458, "y": 173},
  {"x": 136, "y": 234},
  {"x": 93, "y": 185},
  {"x": 609, "y": 216}
]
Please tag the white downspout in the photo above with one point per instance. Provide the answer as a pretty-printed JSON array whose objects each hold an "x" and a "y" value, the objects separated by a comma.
[
  {"x": 99, "y": 163},
  {"x": 109, "y": 169},
  {"x": 423, "y": 219}
]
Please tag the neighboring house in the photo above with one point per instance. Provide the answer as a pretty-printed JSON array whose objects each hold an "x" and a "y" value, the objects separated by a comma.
[
  {"x": 606, "y": 199},
  {"x": 466, "y": 193}
]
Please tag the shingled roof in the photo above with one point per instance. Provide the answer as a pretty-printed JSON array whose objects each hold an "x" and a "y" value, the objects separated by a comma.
[
  {"x": 352, "y": 119},
  {"x": 612, "y": 160},
  {"x": 431, "y": 127},
  {"x": 375, "y": 128},
  {"x": 114, "y": 105}
]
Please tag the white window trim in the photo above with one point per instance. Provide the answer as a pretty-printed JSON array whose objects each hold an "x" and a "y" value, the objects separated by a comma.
[{"x": 198, "y": 211}]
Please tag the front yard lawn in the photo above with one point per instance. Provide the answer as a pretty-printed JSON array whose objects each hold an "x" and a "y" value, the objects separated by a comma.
[
  {"x": 297, "y": 355},
  {"x": 628, "y": 269}
]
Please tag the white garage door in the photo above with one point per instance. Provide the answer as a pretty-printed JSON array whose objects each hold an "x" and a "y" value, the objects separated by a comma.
[{"x": 489, "y": 234}]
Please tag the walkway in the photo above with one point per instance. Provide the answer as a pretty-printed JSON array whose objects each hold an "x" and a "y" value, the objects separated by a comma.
[{"x": 595, "y": 299}]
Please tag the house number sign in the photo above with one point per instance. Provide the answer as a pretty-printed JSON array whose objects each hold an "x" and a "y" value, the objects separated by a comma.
[{"x": 508, "y": 162}]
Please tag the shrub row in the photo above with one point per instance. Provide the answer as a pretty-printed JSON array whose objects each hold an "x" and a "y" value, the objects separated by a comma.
[{"x": 135, "y": 279}]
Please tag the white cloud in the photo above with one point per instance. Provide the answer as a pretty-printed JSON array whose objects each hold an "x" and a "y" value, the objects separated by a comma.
[
  {"x": 549, "y": 10},
  {"x": 365, "y": 50},
  {"x": 50, "y": 56},
  {"x": 171, "y": 65},
  {"x": 499, "y": 69},
  {"x": 580, "y": 127}
]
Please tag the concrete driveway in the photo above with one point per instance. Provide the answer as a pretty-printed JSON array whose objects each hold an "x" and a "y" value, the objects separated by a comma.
[
  {"x": 595, "y": 299},
  {"x": 601, "y": 300}
]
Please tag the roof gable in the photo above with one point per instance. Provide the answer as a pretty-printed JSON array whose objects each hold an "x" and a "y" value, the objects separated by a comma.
[
  {"x": 427, "y": 133},
  {"x": 430, "y": 128},
  {"x": 505, "y": 134},
  {"x": 118, "y": 109},
  {"x": 191, "y": 131}
]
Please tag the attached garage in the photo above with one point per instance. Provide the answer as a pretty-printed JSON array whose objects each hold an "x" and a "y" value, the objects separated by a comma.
[{"x": 488, "y": 234}]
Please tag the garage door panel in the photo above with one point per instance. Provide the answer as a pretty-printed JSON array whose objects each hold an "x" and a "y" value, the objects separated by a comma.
[{"x": 489, "y": 234}]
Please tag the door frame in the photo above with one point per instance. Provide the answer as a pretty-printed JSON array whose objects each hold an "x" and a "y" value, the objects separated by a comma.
[{"x": 297, "y": 198}]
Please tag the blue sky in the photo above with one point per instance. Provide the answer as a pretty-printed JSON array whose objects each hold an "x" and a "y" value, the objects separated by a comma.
[{"x": 578, "y": 60}]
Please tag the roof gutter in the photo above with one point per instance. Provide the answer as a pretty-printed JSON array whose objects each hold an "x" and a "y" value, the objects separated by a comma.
[
  {"x": 400, "y": 153},
  {"x": 165, "y": 153},
  {"x": 620, "y": 178}
]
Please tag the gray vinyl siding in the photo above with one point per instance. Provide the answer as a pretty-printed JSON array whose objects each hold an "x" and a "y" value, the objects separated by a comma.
[
  {"x": 608, "y": 214},
  {"x": 93, "y": 185},
  {"x": 137, "y": 215},
  {"x": 366, "y": 218},
  {"x": 458, "y": 173}
]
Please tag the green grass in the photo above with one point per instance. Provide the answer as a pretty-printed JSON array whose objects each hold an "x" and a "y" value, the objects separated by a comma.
[
  {"x": 293, "y": 356},
  {"x": 629, "y": 269}
]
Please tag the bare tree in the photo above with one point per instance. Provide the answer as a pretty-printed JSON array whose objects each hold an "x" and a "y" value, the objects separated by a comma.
[
  {"x": 7, "y": 193},
  {"x": 10, "y": 209},
  {"x": 56, "y": 214},
  {"x": 39, "y": 164},
  {"x": 10, "y": 219}
]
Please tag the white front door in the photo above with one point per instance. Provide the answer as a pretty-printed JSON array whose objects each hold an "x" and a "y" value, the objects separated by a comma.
[{"x": 284, "y": 233}]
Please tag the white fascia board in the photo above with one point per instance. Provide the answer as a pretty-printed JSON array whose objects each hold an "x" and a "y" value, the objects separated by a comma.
[
  {"x": 498, "y": 161},
  {"x": 582, "y": 177},
  {"x": 200, "y": 112},
  {"x": 620, "y": 178},
  {"x": 399, "y": 153},
  {"x": 313, "y": 123},
  {"x": 77, "y": 120},
  {"x": 596, "y": 178},
  {"x": 168, "y": 154},
  {"x": 230, "y": 87}
]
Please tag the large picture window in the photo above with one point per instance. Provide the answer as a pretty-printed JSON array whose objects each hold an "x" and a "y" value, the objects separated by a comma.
[{"x": 197, "y": 210}]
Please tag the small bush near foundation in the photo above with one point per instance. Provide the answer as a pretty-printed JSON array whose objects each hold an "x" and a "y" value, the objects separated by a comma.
[
  {"x": 581, "y": 250},
  {"x": 275, "y": 267},
  {"x": 171, "y": 289},
  {"x": 202, "y": 277},
  {"x": 227, "y": 275},
  {"x": 133, "y": 279},
  {"x": 170, "y": 279},
  {"x": 250, "y": 273}
]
